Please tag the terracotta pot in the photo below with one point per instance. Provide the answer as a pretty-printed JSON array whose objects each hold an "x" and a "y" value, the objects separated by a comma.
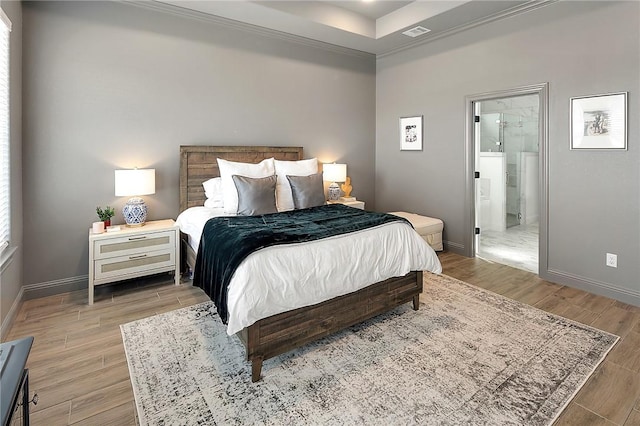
[{"x": 107, "y": 223}]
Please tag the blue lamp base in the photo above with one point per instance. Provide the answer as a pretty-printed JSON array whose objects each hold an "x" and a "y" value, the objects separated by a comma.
[{"x": 135, "y": 212}]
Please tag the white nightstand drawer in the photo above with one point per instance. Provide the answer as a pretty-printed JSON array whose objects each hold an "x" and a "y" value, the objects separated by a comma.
[
  {"x": 133, "y": 252},
  {"x": 134, "y": 264},
  {"x": 132, "y": 244}
]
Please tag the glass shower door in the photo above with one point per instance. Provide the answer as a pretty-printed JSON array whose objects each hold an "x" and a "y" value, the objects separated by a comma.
[{"x": 512, "y": 143}]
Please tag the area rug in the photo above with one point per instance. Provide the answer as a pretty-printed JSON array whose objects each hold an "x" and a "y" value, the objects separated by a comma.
[{"x": 467, "y": 356}]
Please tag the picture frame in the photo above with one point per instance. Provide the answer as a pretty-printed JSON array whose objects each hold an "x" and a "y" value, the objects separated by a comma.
[
  {"x": 599, "y": 122},
  {"x": 411, "y": 133}
]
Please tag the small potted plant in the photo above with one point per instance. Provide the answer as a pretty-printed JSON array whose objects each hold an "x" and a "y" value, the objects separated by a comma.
[{"x": 105, "y": 215}]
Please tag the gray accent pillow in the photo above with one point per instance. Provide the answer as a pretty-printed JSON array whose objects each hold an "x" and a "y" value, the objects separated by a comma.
[
  {"x": 256, "y": 196},
  {"x": 307, "y": 191}
]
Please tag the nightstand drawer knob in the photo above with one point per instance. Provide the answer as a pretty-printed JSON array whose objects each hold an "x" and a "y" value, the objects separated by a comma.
[
  {"x": 137, "y": 238},
  {"x": 137, "y": 257}
]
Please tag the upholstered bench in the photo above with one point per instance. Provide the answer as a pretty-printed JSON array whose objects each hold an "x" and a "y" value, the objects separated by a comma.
[{"x": 429, "y": 228}]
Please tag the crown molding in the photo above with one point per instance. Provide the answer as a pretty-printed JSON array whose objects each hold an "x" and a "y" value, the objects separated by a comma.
[
  {"x": 280, "y": 35},
  {"x": 517, "y": 10},
  {"x": 242, "y": 26}
]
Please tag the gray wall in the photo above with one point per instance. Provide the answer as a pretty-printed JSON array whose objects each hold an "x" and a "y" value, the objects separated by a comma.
[
  {"x": 11, "y": 274},
  {"x": 111, "y": 85},
  {"x": 580, "y": 48}
]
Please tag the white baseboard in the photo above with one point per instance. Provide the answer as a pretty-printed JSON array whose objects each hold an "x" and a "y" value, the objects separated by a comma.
[
  {"x": 48, "y": 288},
  {"x": 11, "y": 315},
  {"x": 592, "y": 286},
  {"x": 454, "y": 247}
]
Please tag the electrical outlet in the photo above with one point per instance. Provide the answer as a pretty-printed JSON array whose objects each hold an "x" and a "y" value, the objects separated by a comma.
[{"x": 612, "y": 260}]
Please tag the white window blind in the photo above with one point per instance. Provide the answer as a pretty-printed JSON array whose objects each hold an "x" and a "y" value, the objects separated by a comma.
[{"x": 5, "y": 207}]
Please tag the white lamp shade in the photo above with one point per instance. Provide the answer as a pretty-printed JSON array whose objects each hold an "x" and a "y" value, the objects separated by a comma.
[
  {"x": 332, "y": 172},
  {"x": 135, "y": 182}
]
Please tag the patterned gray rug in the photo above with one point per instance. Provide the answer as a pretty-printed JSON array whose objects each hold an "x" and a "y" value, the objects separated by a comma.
[{"x": 466, "y": 357}]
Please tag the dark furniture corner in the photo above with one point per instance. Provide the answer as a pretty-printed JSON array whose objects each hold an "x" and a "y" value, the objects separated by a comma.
[{"x": 14, "y": 382}]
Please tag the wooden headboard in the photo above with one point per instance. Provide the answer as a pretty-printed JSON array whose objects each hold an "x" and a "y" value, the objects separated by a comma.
[{"x": 198, "y": 163}]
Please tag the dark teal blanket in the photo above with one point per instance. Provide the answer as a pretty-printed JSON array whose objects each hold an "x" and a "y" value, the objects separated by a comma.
[{"x": 227, "y": 241}]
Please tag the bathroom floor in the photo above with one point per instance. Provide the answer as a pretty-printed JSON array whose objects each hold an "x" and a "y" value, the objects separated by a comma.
[{"x": 516, "y": 246}]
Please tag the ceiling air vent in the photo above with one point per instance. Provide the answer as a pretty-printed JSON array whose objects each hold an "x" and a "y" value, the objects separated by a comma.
[{"x": 415, "y": 32}]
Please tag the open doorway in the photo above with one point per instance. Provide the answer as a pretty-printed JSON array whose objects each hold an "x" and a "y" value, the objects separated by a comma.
[
  {"x": 506, "y": 146},
  {"x": 507, "y": 194}
]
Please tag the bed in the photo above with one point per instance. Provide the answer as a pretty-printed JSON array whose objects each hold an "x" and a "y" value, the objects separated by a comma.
[{"x": 280, "y": 332}]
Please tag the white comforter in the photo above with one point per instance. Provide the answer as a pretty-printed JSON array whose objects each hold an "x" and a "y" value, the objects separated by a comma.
[{"x": 281, "y": 278}]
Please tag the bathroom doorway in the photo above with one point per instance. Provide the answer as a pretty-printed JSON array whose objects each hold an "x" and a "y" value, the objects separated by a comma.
[{"x": 507, "y": 176}]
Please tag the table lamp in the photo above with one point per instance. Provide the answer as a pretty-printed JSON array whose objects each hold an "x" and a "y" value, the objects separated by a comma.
[
  {"x": 134, "y": 183},
  {"x": 334, "y": 173}
]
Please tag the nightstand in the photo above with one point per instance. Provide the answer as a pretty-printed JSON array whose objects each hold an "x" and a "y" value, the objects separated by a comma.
[
  {"x": 134, "y": 252},
  {"x": 357, "y": 204}
]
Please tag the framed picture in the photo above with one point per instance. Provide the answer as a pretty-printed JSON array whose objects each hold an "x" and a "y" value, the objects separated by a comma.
[
  {"x": 411, "y": 133},
  {"x": 599, "y": 122}
]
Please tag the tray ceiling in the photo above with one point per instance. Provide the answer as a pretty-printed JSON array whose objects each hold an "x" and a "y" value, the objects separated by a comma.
[{"x": 373, "y": 26}]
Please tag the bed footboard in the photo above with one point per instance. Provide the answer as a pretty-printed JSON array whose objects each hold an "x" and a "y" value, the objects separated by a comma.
[{"x": 281, "y": 333}]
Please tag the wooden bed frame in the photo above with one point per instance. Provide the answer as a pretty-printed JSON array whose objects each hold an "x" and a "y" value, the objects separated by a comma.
[{"x": 283, "y": 332}]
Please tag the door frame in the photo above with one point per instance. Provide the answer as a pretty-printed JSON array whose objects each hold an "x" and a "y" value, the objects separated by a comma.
[{"x": 542, "y": 90}]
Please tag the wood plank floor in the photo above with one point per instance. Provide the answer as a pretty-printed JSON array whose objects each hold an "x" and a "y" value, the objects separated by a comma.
[{"x": 79, "y": 369}]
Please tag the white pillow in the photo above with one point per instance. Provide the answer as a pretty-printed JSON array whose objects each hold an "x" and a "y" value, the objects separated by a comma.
[
  {"x": 212, "y": 204},
  {"x": 213, "y": 192},
  {"x": 263, "y": 169},
  {"x": 284, "y": 198}
]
